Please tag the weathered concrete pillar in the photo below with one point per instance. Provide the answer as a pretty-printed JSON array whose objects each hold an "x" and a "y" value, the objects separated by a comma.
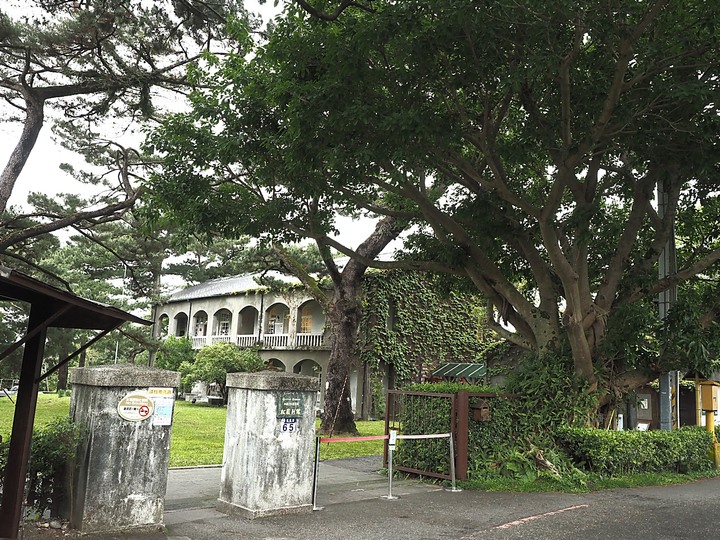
[
  {"x": 269, "y": 444},
  {"x": 121, "y": 471}
]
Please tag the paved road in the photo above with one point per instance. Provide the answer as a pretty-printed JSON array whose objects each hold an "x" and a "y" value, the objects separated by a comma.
[{"x": 351, "y": 491}]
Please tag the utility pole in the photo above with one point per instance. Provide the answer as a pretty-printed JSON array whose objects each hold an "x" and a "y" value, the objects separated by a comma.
[{"x": 667, "y": 266}]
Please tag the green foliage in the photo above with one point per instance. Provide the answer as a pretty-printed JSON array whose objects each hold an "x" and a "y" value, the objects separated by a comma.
[
  {"x": 173, "y": 352},
  {"x": 623, "y": 452},
  {"x": 533, "y": 140},
  {"x": 505, "y": 447},
  {"x": 214, "y": 362},
  {"x": 518, "y": 446},
  {"x": 411, "y": 326},
  {"x": 53, "y": 449},
  {"x": 550, "y": 394}
]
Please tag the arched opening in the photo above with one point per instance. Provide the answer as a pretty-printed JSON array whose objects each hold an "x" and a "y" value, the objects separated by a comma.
[
  {"x": 275, "y": 364},
  {"x": 310, "y": 325},
  {"x": 200, "y": 323},
  {"x": 221, "y": 325},
  {"x": 163, "y": 326},
  {"x": 181, "y": 325},
  {"x": 247, "y": 321},
  {"x": 311, "y": 368},
  {"x": 277, "y": 320}
]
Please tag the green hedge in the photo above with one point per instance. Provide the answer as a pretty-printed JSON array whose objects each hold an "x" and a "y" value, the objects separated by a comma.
[
  {"x": 514, "y": 440},
  {"x": 610, "y": 453},
  {"x": 491, "y": 444}
]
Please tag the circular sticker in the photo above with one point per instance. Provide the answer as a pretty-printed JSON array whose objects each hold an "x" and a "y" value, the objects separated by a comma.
[{"x": 136, "y": 406}]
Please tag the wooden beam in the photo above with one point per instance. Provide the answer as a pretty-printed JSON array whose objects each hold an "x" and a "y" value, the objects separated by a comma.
[{"x": 21, "y": 437}]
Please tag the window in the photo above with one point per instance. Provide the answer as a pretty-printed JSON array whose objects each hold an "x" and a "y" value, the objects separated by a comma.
[
  {"x": 200, "y": 324},
  {"x": 224, "y": 323},
  {"x": 306, "y": 320}
]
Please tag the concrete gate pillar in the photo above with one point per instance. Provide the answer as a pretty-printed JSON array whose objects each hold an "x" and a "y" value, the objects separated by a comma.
[
  {"x": 121, "y": 472},
  {"x": 269, "y": 444}
]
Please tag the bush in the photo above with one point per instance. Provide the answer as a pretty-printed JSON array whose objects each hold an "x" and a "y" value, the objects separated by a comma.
[
  {"x": 51, "y": 462},
  {"x": 214, "y": 362},
  {"x": 173, "y": 352},
  {"x": 517, "y": 445},
  {"x": 610, "y": 453}
]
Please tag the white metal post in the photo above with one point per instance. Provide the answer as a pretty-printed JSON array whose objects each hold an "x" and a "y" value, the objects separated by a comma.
[
  {"x": 454, "y": 488},
  {"x": 391, "y": 449}
]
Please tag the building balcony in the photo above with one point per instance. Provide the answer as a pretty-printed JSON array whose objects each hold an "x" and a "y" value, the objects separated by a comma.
[{"x": 268, "y": 341}]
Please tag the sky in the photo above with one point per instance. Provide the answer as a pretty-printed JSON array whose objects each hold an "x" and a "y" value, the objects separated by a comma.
[{"x": 42, "y": 171}]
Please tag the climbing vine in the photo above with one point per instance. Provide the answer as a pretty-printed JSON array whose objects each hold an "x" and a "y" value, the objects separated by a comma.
[{"x": 412, "y": 324}]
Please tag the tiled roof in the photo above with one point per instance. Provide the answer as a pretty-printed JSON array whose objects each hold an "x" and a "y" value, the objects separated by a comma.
[{"x": 226, "y": 286}]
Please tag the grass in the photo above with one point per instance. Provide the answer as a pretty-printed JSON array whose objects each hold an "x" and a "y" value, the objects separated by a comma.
[
  {"x": 198, "y": 431},
  {"x": 49, "y": 407},
  {"x": 590, "y": 483},
  {"x": 356, "y": 449},
  {"x": 198, "y": 434}
]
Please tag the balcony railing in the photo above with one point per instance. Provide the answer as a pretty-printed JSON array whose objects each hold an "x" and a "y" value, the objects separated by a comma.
[
  {"x": 275, "y": 341},
  {"x": 246, "y": 340},
  {"x": 198, "y": 342},
  {"x": 269, "y": 341},
  {"x": 309, "y": 341}
]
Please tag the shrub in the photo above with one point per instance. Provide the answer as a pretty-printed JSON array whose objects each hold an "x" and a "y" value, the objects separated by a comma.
[
  {"x": 214, "y": 362},
  {"x": 173, "y": 352},
  {"x": 521, "y": 444},
  {"x": 610, "y": 453},
  {"x": 53, "y": 449}
]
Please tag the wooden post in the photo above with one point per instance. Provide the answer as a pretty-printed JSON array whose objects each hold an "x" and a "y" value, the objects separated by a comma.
[
  {"x": 21, "y": 437},
  {"x": 461, "y": 426}
]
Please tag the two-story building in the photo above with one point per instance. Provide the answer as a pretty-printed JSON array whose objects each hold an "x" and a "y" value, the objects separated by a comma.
[{"x": 287, "y": 325}]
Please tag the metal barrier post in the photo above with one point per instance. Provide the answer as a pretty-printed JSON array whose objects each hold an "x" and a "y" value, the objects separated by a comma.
[
  {"x": 391, "y": 449},
  {"x": 454, "y": 489},
  {"x": 316, "y": 474}
]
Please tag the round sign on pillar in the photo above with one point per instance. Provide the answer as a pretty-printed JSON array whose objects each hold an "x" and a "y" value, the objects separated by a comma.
[{"x": 136, "y": 407}]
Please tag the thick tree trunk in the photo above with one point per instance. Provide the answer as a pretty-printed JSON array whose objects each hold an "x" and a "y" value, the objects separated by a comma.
[
  {"x": 33, "y": 124},
  {"x": 62, "y": 377},
  {"x": 344, "y": 313}
]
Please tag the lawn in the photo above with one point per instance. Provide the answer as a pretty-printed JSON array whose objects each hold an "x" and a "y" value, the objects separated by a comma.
[
  {"x": 198, "y": 431},
  {"x": 49, "y": 407}
]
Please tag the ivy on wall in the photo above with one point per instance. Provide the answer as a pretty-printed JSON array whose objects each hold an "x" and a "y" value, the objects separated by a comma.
[{"x": 410, "y": 323}]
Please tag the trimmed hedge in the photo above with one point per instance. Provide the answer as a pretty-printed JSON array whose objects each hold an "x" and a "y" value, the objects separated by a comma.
[
  {"x": 611, "y": 453},
  {"x": 512, "y": 443}
]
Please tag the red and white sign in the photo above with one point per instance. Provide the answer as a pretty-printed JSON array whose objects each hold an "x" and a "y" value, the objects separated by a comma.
[{"x": 136, "y": 406}]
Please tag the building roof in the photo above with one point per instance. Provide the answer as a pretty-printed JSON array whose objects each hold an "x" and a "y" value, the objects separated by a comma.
[
  {"x": 227, "y": 286},
  {"x": 460, "y": 371}
]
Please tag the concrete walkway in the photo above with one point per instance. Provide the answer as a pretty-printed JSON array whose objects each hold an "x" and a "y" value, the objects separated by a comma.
[
  {"x": 193, "y": 492},
  {"x": 351, "y": 493}
]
